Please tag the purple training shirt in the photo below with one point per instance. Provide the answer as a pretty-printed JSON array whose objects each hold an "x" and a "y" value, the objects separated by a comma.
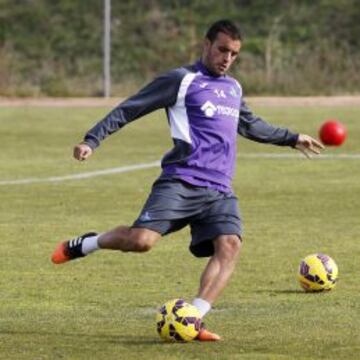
[{"x": 205, "y": 114}]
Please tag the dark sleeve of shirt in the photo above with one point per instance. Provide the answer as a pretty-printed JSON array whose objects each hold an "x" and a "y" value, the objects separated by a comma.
[
  {"x": 160, "y": 93},
  {"x": 254, "y": 128}
]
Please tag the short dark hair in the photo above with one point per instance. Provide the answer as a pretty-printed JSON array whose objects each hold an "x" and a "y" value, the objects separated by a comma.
[{"x": 224, "y": 26}]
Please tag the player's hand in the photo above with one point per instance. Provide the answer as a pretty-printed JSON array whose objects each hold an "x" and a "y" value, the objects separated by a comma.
[
  {"x": 82, "y": 151},
  {"x": 308, "y": 145}
]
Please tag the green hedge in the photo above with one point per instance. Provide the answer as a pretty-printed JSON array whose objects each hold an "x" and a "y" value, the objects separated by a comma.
[{"x": 54, "y": 47}]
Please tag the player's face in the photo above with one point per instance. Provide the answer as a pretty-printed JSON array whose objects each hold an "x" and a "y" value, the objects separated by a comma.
[{"x": 219, "y": 55}]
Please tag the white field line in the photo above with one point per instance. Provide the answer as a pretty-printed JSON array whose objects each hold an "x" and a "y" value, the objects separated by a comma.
[
  {"x": 136, "y": 167},
  {"x": 85, "y": 175},
  {"x": 300, "y": 156}
]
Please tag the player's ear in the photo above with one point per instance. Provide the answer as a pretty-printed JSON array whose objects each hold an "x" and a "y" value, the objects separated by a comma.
[{"x": 207, "y": 44}]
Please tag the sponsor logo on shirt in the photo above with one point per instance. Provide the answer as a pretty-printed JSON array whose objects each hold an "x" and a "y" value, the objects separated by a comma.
[
  {"x": 228, "y": 111},
  {"x": 209, "y": 109}
]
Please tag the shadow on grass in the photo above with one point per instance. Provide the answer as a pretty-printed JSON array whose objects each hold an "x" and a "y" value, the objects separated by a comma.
[
  {"x": 99, "y": 338},
  {"x": 287, "y": 291}
]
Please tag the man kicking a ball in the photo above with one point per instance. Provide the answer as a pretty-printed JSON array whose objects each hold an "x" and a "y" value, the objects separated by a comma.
[{"x": 206, "y": 111}]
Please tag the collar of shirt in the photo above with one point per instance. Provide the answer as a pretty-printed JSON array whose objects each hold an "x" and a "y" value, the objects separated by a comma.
[{"x": 204, "y": 70}]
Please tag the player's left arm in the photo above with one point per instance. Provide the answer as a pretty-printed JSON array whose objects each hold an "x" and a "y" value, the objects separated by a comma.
[{"x": 255, "y": 128}]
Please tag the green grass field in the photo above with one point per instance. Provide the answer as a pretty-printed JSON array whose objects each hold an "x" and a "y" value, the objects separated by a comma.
[{"x": 103, "y": 307}]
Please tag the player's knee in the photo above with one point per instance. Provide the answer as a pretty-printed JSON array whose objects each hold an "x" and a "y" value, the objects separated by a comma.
[
  {"x": 143, "y": 242},
  {"x": 228, "y": 246}
]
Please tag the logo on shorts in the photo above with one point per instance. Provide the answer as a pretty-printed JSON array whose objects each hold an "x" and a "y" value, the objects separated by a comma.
[{"x": 145, "y": 216}]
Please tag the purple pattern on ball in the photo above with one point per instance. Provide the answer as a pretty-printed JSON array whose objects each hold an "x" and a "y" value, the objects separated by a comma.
[
  {"x": 189, "y": 320},
  {"x": 314, "y": 279},
  {"x": 180, "y": 303},
  {"x": 304, "y": 268},
  {"x": 178, "y": 337},
  {"x": 163, "y": 310},
  {"x": 325, "y": 261},
  {"x": 160, "y": 325}
]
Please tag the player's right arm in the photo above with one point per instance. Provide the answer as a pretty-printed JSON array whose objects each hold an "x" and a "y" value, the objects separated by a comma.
[
  {"x": 82, "y": 151},
  {"x": 160, "y": 93}
]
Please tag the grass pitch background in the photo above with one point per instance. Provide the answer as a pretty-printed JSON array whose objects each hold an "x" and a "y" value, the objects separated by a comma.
[{"x": 103, "y": 307}]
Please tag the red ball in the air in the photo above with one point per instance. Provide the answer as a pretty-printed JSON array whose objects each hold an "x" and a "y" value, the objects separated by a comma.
[{"x": 332, "y": 132}]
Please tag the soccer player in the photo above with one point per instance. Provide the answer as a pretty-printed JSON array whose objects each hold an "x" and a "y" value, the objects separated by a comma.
[{"x": 205, "y": 111}]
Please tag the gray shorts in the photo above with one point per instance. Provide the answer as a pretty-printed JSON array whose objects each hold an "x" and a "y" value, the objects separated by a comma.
[{"x": 173, "y": 204}]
